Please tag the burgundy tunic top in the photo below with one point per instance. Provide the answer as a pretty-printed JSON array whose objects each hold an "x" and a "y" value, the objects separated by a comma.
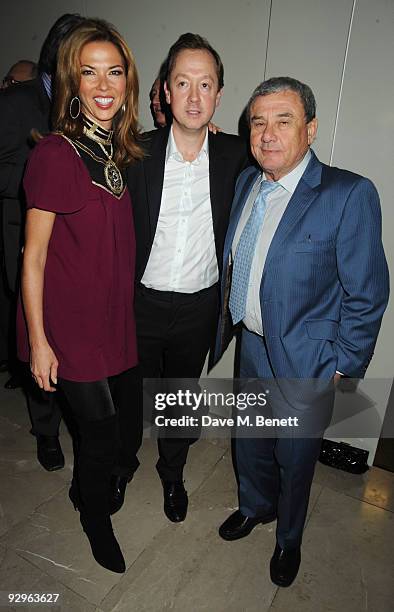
[{"x": 89, "y": 272}]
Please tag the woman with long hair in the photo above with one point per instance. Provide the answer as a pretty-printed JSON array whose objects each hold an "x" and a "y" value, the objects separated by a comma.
[{"x": 77, "y": 324}]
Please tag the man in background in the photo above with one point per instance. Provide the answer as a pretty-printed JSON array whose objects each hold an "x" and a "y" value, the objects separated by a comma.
[
  {"x": 22, "y": 71},
  {"x": 24, "y": 116},
  {"x": 156, "y": 104}
]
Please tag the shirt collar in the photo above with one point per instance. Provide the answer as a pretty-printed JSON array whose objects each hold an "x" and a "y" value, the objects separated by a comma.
[
  {"x": 291, "y": 180},
  {"x": 173, "y": 153},
  {"x": 47, "y": 82}
]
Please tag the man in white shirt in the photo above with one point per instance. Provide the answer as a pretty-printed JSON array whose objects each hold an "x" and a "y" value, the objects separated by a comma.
[
  {"x": 182, "y": 193},
  {"x": 309, "y": 286}
]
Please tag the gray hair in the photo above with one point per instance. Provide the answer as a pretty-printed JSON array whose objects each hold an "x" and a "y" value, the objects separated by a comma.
[{"x": 277, "y": 84}]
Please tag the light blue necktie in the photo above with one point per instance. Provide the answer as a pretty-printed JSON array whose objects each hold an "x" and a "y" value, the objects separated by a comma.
[{"x": 245, "y": 251}]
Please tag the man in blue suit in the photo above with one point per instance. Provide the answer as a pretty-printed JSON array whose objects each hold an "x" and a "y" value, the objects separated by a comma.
[{"x": 305, "y": 278}]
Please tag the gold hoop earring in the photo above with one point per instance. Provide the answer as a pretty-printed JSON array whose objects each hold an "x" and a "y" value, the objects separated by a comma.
[
  {"x": 123, "y": 107},
  {"x": 75, "y": 100}
]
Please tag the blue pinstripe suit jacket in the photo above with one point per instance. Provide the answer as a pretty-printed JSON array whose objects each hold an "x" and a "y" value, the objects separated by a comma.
[{"x": 325, "y": 283}]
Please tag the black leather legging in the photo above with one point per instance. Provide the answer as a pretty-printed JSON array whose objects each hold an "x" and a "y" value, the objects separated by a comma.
[{"x": 108, "y": 434}]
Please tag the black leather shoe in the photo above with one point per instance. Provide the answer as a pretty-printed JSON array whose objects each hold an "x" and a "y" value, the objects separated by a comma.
[
  {"x": 239, "y": 526},
  {"x": 15, "y": 382},
  {"x": 117, "y": 492},
  {"x": 104, "y": 545},
  {"x": 49, "y": 452},
  {"x": 284, "y": 566},
  {"x": 175, "y": 501}
]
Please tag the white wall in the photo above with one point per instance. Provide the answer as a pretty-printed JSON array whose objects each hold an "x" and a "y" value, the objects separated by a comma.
[
  {"x": 24, "y": 26},
  {"x": 343, "y": 48},
  {"x": 364, "y": 143}
]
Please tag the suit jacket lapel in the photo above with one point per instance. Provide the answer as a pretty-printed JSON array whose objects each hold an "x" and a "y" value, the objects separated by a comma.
[
  {"x": 217, "y": 174},
  {"x": 243, "y": 189},
  {"x": 305, "y": 193},
  {"x": 154, "y": 175}
]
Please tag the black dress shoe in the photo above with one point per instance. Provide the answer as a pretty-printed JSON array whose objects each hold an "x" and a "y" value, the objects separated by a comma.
[
  {"x": 15, "y": 382},
  {"x": 284, "y": 566},
  {"x": 49, "y": 452},
  {"x": 117, "y": 492},
  {"x": 175, "y": 501},
  {"x": 238, "y": 526},
  {"x": 104, "y": 545}
]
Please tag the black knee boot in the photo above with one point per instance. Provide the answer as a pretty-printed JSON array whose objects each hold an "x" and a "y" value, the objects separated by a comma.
[
  {"x": 104, "y": 545},
  {"x": 97, "y": 448}
]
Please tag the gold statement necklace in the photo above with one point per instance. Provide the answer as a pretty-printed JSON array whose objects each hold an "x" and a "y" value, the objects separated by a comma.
[{"x": 112, "y": 174}]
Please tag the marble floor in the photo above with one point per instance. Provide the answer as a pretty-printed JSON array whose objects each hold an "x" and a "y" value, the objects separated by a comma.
[{"x": 348, "y": 550}]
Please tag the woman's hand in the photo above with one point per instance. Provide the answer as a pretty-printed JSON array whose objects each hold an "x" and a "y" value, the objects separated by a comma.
[{"x": 43, "y": 366}]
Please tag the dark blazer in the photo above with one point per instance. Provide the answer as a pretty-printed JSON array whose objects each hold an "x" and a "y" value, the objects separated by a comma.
[
  {"x": 22, "y": 107},
  {"x": 227, "y": 157},
  {"x": 325, "y": 283}
]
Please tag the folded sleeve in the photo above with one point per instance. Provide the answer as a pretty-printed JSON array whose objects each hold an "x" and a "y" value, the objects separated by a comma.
[{"x": 56, "y": 179}]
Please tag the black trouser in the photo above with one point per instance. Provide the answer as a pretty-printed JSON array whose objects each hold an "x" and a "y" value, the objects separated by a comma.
[
  {"x": 11, "y": 228},
  {"x": 175, "y": 332},
  {"x": 5, "y": 308},
  {"x": 109, "y": 433},
  {"x": 44, "y": 409}
]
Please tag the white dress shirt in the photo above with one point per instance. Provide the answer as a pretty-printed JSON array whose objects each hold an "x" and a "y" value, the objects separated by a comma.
[
  {"x": 277, "y": 202},
  {"x": 183, "y": 254}
]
